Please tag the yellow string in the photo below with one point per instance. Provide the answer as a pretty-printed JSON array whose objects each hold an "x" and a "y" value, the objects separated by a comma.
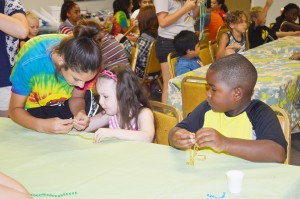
[{"x": 81, "y": 136}]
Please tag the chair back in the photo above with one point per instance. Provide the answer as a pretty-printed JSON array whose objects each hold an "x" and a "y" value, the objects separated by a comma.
[
  {"x": 221, "y": 30},
  {"x": 166, "y": 117},
  {"x": 205, "y": 39},
  {"x": 247, "y": 40},
  {"x": 285, "y": 123},
  {"x": 193, "y": 91},
  {"x": 213, "y": 47},
  {"x": 134, "y": 54},
  {"x": 152, "y": 67},
  {"x": 205, "y": 55},
  {"x": 172, "y": 59}
]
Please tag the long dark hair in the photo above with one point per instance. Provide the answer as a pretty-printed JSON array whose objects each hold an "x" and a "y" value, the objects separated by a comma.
[
  {"x": 65, "y": 8},
  {"x": 223, "y": 7},
  {"x": 281, "y": 18},
  {"x": 148, "y": 22},
  {"x": 131, "y": 95},
  {"x": 81, "y": 51},
  {"x": 121, "y": 5}
]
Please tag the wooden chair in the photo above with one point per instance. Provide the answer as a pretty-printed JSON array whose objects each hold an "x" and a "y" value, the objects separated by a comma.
[
  {"x": 166, "y": 117},
  {"x": 205, "y": 39},
  {"x": 193, "y": 92},
  {"x": 204, "y": 54},
  {"x": 172, "y": 59},
  {"x": 285, "y": 123},
  {"x": 221, "y": 30},
  {"x": 134, "y": 54},
  {"x": 213, "y": 47},
  {"x": 152, "y": 67}
]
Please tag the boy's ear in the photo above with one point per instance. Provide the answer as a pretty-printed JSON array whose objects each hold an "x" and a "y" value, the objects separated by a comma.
[{"x": 238, "y": 93}]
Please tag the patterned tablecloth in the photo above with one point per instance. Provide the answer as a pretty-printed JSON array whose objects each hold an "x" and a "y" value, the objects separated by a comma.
[{"x": 278, "y": 77}]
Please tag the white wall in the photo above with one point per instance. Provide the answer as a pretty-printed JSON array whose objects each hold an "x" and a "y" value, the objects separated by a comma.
[
  {"x": 91, "y": 6},
  {"x": 275, "y": 9}
]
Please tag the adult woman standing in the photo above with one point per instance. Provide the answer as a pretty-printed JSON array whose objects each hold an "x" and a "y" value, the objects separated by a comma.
[{"x": 173, "y": 17}]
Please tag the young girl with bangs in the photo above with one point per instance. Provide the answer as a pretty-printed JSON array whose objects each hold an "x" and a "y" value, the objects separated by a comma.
[{"x": 126, "y": 109}]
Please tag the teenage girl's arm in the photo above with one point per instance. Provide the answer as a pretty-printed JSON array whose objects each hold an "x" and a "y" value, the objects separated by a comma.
[
  {"x": 165, "y": 19},
  {"x": 77, "y": 107},
  {"x": 284, "y": 34},
  {"x": 144, "y": 134},
  {"x": 97, "y": 121},
  {"x": 253, "y": 150},
  {"x": 18, "y": 114},
  {"x": 290, "y": 26},
  {"x": 263, "y": 14},
  {"x": 15, "y": 25},
  {"x": 11, "y": 189}
]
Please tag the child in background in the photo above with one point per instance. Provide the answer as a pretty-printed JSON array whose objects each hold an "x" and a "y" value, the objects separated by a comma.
[
  {"x": 122, "y": 10},
  {"x": 217, "y": 15},
  {"x": 51, "y": 81},
  {"x": 11, "y": 189},
  {"x": 173, "y": 17},
  {"x": 187, "y": 46},
  {"x": 286, "y": 21},
  {"x": 258, "y": 32},
  {"x": 33, "y": 25},
  {"x": 126, "y": 109},
  {"x": 148, "y": 26},
  {"x": 70, "y": 16},
  {"x": 234, "y": 41},
  {"x": 229, "y": 121},
  {"x": 142, "y": 3}
]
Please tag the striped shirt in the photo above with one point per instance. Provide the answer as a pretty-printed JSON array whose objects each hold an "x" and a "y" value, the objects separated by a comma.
[
  {"x": 112, "y": 52},
  {"x": 114, "y": 124}
]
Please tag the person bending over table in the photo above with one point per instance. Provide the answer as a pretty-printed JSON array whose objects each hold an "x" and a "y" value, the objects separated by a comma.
[
  {"x": 47, "y": 70},
  {"x": 229, "y": 121}
]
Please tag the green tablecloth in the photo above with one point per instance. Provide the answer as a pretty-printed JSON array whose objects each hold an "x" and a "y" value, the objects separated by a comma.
[
  {"x": 278, "y": 77},
  {"x": 70, "y": 167}
]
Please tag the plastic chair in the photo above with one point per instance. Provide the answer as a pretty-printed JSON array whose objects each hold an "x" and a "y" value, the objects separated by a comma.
[
  {"x": 204, "y": 54},
  {"x": 193, "y": 91},
  {"x": 166, "y": 117},
  {"x": 285, "y": 123},
  {"x": 134, "y": 54},
  {"x": 221, "y": 30},
  {"x": 172, "y": 59},
  {"x": 213, "y": 47},
  {"x": 206, "y": 37},
  {"x": 152, "y": 67}
]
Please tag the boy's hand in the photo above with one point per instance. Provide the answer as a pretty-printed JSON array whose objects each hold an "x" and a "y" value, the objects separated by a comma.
[
  {"x": 209, "y": 137},
  {"x": 183, "y": 139},
  {"x": 56, "y": 125},
  {"x": 81, "y": 121}
]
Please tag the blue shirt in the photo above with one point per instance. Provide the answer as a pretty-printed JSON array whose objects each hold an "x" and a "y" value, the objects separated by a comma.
[{"x": 184, "y": 65}]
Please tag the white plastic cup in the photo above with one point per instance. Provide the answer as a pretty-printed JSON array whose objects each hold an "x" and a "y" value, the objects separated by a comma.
[{"x": 235, "y": 180}]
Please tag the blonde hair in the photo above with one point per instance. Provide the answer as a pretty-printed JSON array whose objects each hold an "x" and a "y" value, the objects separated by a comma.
[
  {"x": 32, "y": 16},
  {"x": 254, "y": 12}
]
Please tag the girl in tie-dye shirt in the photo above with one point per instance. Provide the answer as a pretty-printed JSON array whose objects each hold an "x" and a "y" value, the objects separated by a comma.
[{"x": 47, "y": 70}]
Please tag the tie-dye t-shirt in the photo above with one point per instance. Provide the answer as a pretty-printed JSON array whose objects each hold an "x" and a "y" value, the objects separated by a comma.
[
  {"x": 34, "y": 73},
  {"x": 121, "y": 21}
]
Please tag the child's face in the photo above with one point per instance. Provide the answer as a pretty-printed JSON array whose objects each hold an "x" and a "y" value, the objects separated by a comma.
[
  {"x": 194, "y": 53},
  {"x": 219, "y": 96},
  {"x": 241, "y": 26},
  {"x": 77, "y": 79},
  {"x": 215, "y": 5},
  {"x": 145, "y": 2},
  {"x": 292, "y": 15},
  {"x": 108, "y": 97},
  {"x": 33, "y": 27},
  {"x": 74, "y": 14}
]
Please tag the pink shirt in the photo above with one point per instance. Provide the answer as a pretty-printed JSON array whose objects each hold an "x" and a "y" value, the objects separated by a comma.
[{"x": 114, "y": 124}]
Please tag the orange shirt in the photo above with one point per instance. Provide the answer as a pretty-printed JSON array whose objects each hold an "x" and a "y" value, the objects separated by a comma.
[{"x": 215, "y": 22}]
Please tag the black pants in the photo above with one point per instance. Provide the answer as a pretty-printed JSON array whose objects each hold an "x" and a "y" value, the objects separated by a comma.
[{"x": 63, "y": 110}]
